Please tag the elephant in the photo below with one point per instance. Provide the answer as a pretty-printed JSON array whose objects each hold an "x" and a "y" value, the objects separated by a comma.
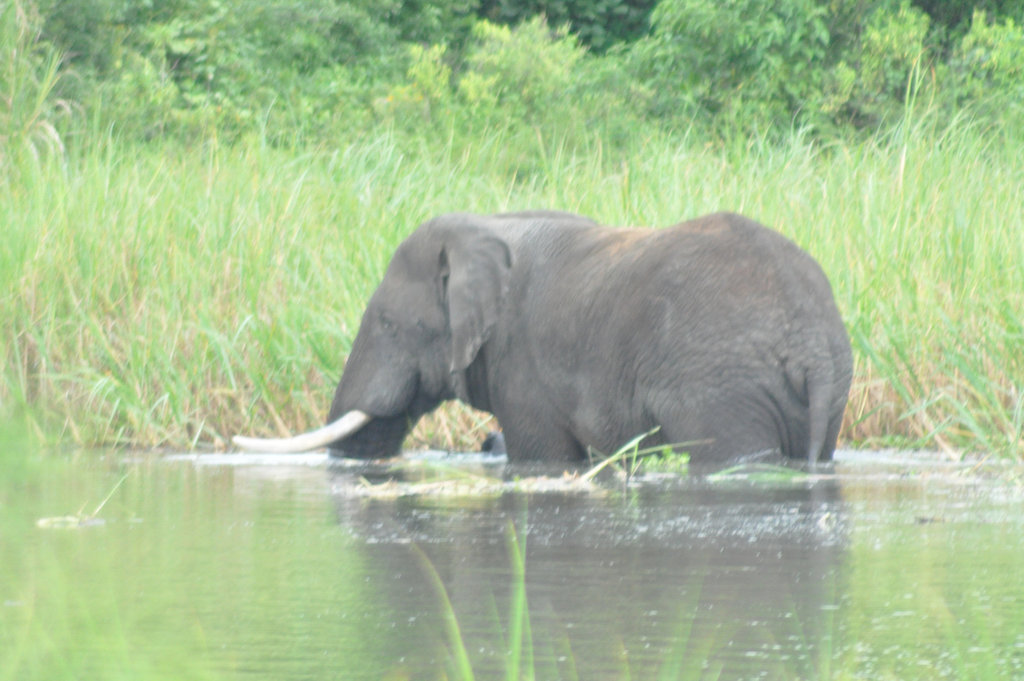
[{"x": 717, "y": 336}]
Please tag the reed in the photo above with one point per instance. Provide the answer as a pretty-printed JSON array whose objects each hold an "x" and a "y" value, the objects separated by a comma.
[{"x": 161, "y": 296}]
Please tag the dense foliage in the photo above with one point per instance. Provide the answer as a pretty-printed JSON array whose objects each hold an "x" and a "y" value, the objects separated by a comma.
[{"x": 318, "y": 67}]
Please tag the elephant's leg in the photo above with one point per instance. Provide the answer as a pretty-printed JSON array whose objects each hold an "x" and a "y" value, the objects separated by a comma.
[
  {"x": 536, "y": 442},
  {"x": 718, "y": 433}
]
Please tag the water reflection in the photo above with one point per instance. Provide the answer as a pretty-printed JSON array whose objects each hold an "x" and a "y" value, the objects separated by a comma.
[
  {"x": 236, "y": 568},
  {"x": 735, "y": 577}
]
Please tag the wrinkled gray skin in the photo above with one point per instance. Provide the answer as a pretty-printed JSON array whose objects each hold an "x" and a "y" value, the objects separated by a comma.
[{"x": 717, "y": 331}]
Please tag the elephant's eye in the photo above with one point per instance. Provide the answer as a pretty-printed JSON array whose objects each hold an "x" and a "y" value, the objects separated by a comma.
[{"x": 387, "y": 324}]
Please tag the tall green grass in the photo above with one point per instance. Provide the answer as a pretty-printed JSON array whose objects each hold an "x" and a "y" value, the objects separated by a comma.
[
  {"x": 155, "y": 295},
  {"x": 29, "y": 74}
]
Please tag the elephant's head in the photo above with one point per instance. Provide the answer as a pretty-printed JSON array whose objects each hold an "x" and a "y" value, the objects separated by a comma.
[{"x": 422, "y": 329}]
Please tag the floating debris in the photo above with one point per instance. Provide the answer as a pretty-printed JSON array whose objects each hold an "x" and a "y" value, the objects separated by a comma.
[
  {"x": 69, "y": 522},
  {"x": 79, "y": 520},
  {"x": 477, "y": 486}
]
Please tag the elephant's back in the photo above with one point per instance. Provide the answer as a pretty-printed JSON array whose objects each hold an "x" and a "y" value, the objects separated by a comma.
[
  {"x": 740, "y": 263},
  {"x": 719, "y": 276}
]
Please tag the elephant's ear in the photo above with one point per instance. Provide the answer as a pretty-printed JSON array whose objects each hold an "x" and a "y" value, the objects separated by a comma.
[{"x": 475, "y": 271}]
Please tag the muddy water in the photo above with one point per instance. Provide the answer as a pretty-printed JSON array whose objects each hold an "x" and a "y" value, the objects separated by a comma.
[{"x": 888, "y": 566}]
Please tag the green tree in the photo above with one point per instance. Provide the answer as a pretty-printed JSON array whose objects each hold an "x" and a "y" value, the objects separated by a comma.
[
  {"x": 598, "y": 24},
  {"x": 187, "y": 63},
  {"x": 878, "y": 75},
  {"x": 956, "y": 16},
  {"x": 988, "y": 68},
  {"x": 745, "y": 62}
]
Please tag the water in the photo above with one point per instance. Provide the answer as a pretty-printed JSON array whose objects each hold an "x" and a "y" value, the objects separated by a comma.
[{"x": 287, "y": 568}]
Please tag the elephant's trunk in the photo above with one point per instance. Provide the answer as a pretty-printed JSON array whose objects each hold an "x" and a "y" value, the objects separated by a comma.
[{"x": 338, "y": 429}]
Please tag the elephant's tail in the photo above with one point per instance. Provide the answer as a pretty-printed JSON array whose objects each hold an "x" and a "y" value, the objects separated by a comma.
[{"x": 819, "y": 400}]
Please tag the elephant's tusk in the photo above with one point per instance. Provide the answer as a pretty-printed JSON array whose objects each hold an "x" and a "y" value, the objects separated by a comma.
[{"x": 340, "y": 428}]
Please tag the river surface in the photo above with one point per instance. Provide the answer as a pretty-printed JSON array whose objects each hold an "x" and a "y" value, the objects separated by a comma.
[{"x": 887, "y": 566}]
